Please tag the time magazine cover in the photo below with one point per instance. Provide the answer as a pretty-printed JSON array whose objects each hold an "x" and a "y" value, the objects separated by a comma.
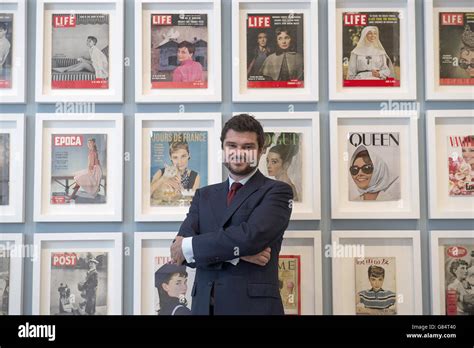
[
  {"x": 80, "y": 51},
  {"x": 459, "y": 279},
  {"x": 6, "y": 49},
  {"x": 374, "y": 166},
  {"x": 179, "y": 50},
  {"x": 179, "y": 166},
  {"x": 78, "y": 168},
  {"x": 173, "y": 285},
  {"x": 289, "y": 277},
  {"x": 371, "y": 49},
  {"x": 456, "y": 48},
  {"x": 461, "y": 165},
  {"x": 4, "y": 169},
  {"x": 376, "y": 291},
  {"x": 282, "y": 160},
  {"x": 4, "y": 280},
  {"x": 78, "y": 283},
  {"x": 275, "y": 50}
]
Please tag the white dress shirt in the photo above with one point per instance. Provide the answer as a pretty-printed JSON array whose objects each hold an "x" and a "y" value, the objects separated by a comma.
[{"x": 187, "y": 244}]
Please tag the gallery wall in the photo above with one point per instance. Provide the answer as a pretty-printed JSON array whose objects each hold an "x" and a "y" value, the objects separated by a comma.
[{"x": 128, "y": 227}]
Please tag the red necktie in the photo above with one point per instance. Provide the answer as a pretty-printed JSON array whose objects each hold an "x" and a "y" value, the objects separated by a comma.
[{"x": 233, "y": 190}]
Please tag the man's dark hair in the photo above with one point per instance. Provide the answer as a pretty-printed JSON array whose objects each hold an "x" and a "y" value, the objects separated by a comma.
[
  {"x": 455, "y": 265},
  {"x": 244, "y": 123},
  {"x": 93, "y": 39}
]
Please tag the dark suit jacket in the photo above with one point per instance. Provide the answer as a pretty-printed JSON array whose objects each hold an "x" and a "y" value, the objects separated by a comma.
[{"x": 257, "y": 218}]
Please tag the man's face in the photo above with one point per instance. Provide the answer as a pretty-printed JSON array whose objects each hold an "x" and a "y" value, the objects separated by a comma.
[
  {"x": 376, "y": 282},
  {"x": 90, "y": 43},
  {"x": 262, "y": 39},
  {"x": 241, "y": 153}
]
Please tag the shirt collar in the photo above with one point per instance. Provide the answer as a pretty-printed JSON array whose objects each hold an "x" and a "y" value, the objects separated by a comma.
[{"x": 244, "y": 180}]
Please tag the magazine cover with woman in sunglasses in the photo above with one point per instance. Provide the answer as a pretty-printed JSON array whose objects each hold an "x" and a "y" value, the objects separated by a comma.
[{"x": 374, "y": 166}]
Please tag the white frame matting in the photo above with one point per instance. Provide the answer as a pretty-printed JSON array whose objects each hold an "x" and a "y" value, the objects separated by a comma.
[
  {"x": 173, "y": 122},
  {"x": 45, "y": 243},
  {"x": 440, "y": 124},
  {"x": 403, "y": 245},
  {"x": 407, "y": 89},
  {"x": 48, "y": 124},
  {"x": 14, "y": 124},
  {"x": 17, "y": 92},
  {"x": 438, "y": 239},
  {"x": 435, "y": 91},
  {"x": 308, "y": 124},
  {"x": 301, "y": 243},
  {"x": 240, "y": 91},
  {"x": 14, "y": 243},
  {"x": 143, "y": 91},
  {"x": 44, "y": 91},
  {"x": 406, "y": 123}
]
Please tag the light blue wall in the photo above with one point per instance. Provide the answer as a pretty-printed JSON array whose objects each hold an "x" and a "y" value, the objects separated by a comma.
[{"x": 128, "y": 227}]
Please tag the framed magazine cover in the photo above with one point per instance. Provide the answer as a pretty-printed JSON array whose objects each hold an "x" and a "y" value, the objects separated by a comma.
[
  {"x": 291, "y": 155},
  {"x": 300, "y": 273},
  {"x": 182, "y": 146},
  {"x": 77, "y": 274},
  {"x": 178, "y": 51},
  {"x": 11, "y": 273},
  {"x": 151, "y": 275},
  {"x": 372, "y": 50},
  {"x": 450, "y": 144},
  {"x": 275, "y": 51},
  {"x": 79, "y": 52},
  {"x": 366, "y": 262},
  {"x": 374, "y": 174},
  {"x": 449, "y": 49},
  {"x": 13, "y": 51},
  {"x": 451, "y": 261},
  {"x": 12, "y": 168},
  {"x": 78, "y": 167}
]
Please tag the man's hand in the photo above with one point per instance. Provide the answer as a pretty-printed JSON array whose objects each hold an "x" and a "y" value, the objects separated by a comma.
[
  {"x": 177, "y": 251},
  {"x": 260, "y": 259}
]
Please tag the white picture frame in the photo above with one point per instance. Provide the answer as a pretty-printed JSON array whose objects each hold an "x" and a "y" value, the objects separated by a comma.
[
  {"x": 13, "y": 242},
  {"x": 306, "y": 123},
  {"x": 307, "y": 244},
  {"x": 17, "y": 92},
  {"x": 147, "y": 245},
  {"x": 438, "y": 239},
  {"x": 64, "y": 124},
  {"x": 406, "y": 124},
  {"x": 435, "y": 91},
  {"x": 144, "y": 93},
  {"x": 146, "y": 123},
  {"x": 14, "y": 125},
  {"x": 240, "y": 91},
  {"x": 46, "y": 243},
  {"x": 403, "y": 245},
  {"x": 44, "y": 91},
  {"x": 407, "y": 89},
  {"x": 439, "y": 125}
]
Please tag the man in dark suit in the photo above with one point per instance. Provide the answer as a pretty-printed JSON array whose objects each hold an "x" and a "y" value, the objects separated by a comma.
[{"x": 234, "y": 230}]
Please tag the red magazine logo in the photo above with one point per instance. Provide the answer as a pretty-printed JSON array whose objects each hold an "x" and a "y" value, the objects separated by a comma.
[
  {"x": 68, "y": 140},
  {"x": 355, "y": 19},
  {"x": 66, "y": 21},
  {"x": 452, "y": 19},
  {"x": 259, "y": 22},
  {"x": 162, "y": 20},
  {"x": 457, "y": 251},
  {"x": 64, "y": 259}
]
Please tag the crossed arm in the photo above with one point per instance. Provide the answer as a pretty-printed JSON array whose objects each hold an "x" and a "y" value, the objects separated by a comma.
[{"x": 249, "y": 240}]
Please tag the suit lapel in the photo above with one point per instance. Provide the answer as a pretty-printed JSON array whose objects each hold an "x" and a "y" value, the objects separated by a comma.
[
  {"x": 250, "y": 187},
  {"x": 218, "y": 201}
]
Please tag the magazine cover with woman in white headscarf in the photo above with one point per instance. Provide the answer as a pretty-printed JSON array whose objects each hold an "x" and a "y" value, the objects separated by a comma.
[
  {"x": 366, "y": 61},
  {"x": 374, "y": 166}
]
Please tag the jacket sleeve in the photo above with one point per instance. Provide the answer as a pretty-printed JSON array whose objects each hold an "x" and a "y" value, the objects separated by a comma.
[
  {"x": 190, "y": 225},
  {"x": 265, "y": 224}
]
